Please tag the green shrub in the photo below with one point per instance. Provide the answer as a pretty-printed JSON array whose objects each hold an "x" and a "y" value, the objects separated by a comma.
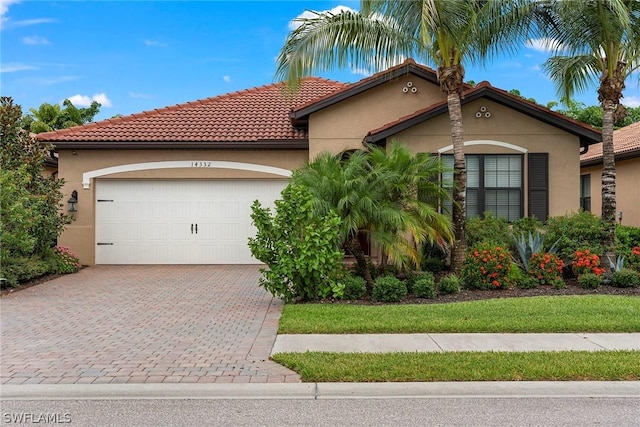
[
  {"x": 489, "y": 229},
  {"x": 521, "y": 279},
  {"x": 527, "y": 225},
  {"x": 486, "y": 267},
  {"x": 300, "y": 248},
  {"x": 63, "y": 261},
  {"x": 449, "y": 284},
  {"x": 574, "y": 232},
  {"x": 433, "y": 265},
  {"x": 424, "y": 286},
  {"x": 355, "y": 287},
  {"x": 627, "y": 238},
  {"x": 21, "y": 269},
  {"x": 625, "y": 278},
  {"x": 546, "y": 269},
  {"x": 388, "y": 289},
  {"x": 589, "y": 280}
]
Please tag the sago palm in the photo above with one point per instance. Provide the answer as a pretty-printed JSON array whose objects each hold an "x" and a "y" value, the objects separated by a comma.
[
  {"x": 597, "y": 42},
  {"x": 447, "y": 33}
]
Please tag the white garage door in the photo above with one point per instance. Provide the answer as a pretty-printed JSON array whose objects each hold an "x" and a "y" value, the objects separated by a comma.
[{"x": 178, "y": 221}]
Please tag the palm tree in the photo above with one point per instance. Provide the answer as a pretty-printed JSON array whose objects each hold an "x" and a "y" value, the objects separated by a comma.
[
  {"x": 447, "y": 33},
  {"x": 358, "y": 188},
  {"x": 596, "y": 41}
]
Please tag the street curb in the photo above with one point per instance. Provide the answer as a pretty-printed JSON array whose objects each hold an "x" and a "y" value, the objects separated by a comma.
[{"x": 502, "y": 390}]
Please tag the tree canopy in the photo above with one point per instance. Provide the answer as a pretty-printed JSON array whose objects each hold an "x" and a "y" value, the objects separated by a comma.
[{"x": 50, "y": 117}]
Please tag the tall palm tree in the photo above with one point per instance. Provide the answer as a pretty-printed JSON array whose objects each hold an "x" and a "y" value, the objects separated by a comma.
[
  {"x": 596, "y": 41},
  {"x": 447, "y": 33},
  {"x": 358, "y": 189}
]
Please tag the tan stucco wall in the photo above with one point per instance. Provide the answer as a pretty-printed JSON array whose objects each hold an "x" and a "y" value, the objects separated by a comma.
[
  {"x": 80, "y": 235},
  {"x": 508, "y": 126},
  {"x": 627, "y": 190},
  {"x": 343, "y": 126}
]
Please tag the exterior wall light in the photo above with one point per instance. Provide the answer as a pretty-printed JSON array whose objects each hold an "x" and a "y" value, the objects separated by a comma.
[{"x": 73, "y": 202}]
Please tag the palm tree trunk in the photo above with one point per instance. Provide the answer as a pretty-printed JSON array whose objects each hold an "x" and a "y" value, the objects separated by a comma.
[
  {"x": 608, "y": 179},
  {"x": 459, "y": 182},
  {"x": 356, "y": 250}
]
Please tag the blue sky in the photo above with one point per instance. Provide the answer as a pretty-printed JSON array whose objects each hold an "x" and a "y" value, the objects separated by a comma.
[{"x": 134, "y": 56}]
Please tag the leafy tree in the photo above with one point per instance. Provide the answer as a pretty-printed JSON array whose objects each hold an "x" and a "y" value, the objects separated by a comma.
[
  {"x": 447, "y": 33},
  {"x": 300, "y": 248},
  {"x": 50, "y": 117},
  {"x": 593, "y": 114},
  {"x": 31, "y": 220},
  {"x": 596, "y": 41},
  {"x": 377, "y": 192}
]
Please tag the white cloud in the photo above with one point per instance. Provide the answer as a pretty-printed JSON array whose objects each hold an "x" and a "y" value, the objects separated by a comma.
[
  {"x": 35, "y": 40},
  {"x": 4, "y": 8},
  {"x": 227, "y": 79},
  {"x": 294, "y": 24},
  {"x": 15, "y": 66},
  {"x": 544, "y": 45},
  {"x": 631, "y": 101},
  {"x": 154, "y": 43},
  {"x": 85, "y": 101}
]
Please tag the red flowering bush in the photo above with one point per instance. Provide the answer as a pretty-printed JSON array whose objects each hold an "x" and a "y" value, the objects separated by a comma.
[
  {"x": 65, "y": 260},
  {"x": 586, "y": 262},
  {"x": 634, "y": 259},
  {"x": 546, "y": 269},
  {"x": 486, "y": 267}
]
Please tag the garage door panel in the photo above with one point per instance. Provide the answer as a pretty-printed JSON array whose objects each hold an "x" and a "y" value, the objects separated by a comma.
[{"x": 149, "y": 221}]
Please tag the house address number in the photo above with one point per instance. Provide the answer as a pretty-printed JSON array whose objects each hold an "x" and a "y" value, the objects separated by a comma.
[{"x": 201, "y": 164}]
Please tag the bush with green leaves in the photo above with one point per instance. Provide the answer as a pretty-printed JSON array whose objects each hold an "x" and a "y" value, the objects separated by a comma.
[
  {"x": 527, "y": 225},
  {"x": 627, "y": 238},
  {"x": 546, "y": 269},
  {"x": 16, "y": 270},
  {"x": 355, "y": 287},
  {"x": 589, "y": 280},
  {"x": 486, "y": 267},
  {"x": 625, "y": 278},
  {"x": 424, "y": 286},
  {"x": 488, "y": 229},
  {"x": 301, "y": 249},
  {"x": 521, "y": 279},
  {"x": 525, "y": 248},
  {"x": 575, "y": 232},
  {"x": 449, "y": 284},
  {"x": 63, "y": 260},
  {"x": 388, "y": 289}
]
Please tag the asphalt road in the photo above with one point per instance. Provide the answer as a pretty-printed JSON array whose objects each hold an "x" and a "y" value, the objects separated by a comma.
[{"x": 456, "y": 411}]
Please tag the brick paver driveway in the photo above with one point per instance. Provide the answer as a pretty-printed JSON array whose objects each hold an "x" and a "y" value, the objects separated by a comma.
[{"x": 142, "y": 324}]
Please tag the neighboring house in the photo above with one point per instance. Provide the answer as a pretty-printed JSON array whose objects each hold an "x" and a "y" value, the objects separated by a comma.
[
  {"x": 626, "y": 147},
  {"x": 175, "y": 185}
]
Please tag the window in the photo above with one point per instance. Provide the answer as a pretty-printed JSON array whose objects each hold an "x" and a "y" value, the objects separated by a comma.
[
  {"x": 585, "y": 192},
  {"x": 494, "y": 183}
]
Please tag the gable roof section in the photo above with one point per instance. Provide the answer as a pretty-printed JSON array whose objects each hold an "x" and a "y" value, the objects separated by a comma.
[
  {"x": 626, "y": 144},
  {"x": 256, "y": 118},
  {"x": 300, "y": 115},
  {"x": 587, "y": 134}
]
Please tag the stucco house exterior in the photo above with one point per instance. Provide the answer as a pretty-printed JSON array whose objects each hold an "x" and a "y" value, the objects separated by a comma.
[
  {"x": 626, "y": 147},
  {"x": 175, "y": 185}
]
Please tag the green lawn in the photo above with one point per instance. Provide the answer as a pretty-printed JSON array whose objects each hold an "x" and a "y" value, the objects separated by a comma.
[
  {"x": 465, "y": 366},
  {"x": 583, "y": 313}
]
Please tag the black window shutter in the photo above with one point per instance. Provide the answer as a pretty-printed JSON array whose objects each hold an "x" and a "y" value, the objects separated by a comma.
[{"x": 539, "y": 185}]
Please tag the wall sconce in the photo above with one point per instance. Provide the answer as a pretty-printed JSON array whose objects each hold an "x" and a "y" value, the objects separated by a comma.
[
  {"x": 73, "y": 202},
  {"x": 620, "y": 217}
]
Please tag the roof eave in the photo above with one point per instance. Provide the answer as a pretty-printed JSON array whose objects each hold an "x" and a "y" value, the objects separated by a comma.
[
  {"x": 296, "y": 144},
  {"x": 626, "y": 155}
]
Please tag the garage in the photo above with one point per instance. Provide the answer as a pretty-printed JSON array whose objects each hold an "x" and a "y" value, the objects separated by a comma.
[{"x": 178, "y": 221}]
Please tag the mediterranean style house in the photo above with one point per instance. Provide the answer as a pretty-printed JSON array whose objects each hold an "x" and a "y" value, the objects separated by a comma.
[
  {"x": 175, "y": 185},
  {"x": 626, "y": 147}
]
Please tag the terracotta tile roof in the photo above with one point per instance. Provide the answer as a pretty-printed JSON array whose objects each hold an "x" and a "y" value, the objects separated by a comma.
[
  {"x": 625, "y": 141},
  {"x": 485, "y": 89},
  {"x": 250, "y": 115}
]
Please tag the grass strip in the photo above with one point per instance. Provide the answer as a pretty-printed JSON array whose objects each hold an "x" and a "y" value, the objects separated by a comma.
[
  {"x": 464, "y": 366},
  {"x": 576, "y": 313}
]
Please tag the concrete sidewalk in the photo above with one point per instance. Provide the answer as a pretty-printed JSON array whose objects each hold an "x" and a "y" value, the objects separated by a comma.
[{"x": 385, "y": 343}]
